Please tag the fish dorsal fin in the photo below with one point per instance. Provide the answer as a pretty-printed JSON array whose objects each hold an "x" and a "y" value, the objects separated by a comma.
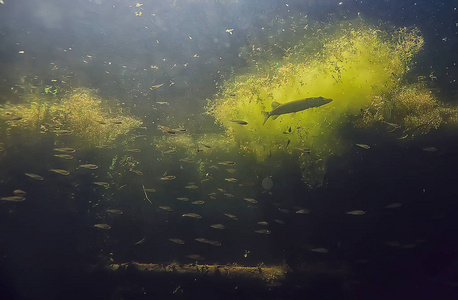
[{"x": 275, "y": 104}]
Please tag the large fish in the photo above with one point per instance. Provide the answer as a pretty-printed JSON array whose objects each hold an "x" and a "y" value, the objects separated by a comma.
[{"x": 294, "y": 106}]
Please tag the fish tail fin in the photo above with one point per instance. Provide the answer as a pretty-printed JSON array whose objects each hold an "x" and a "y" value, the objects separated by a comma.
[{"x": 266, "y": 117}]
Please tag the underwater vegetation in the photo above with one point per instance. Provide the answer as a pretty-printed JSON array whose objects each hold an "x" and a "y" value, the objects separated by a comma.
[
  {"x": 81, "y": 114},
  {"x": 360, "y": 67}
]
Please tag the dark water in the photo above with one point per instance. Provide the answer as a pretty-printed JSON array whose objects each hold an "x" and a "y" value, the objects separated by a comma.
[{"x": 49, "y": 247}]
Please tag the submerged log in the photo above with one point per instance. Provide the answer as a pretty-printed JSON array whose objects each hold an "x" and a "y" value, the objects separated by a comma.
[{"x": 271, "y": 276}]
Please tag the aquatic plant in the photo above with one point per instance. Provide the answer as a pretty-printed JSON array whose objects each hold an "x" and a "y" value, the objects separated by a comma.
[
  {"x": 81, "y": 114},
  {"x": 360, "y": 67}
]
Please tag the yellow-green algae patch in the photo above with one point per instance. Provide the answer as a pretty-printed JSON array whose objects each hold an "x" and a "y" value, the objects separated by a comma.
[
  {"x": 356, "y": 66},
  {"x": 81, "y": 114}
]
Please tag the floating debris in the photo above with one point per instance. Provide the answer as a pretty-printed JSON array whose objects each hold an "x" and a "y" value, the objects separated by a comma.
[
  {"x": 192, "y": 215},
  {"x": 34, "y": 176},
  {"x": 103, "y": 226},
  {"x": 60, "y": 171}
]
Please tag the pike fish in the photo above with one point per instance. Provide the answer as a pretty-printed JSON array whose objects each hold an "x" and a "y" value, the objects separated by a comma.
[{"x": 294, "y": 106}]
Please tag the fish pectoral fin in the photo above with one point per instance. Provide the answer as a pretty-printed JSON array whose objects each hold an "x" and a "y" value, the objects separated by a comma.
[{"x": 275, "y": 104}]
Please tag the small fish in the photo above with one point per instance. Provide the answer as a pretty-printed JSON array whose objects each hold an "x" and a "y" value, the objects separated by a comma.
[
  {"x": 19, "y": 192},
  {"x": 114, "y": 211},
  {"x": 166, "y": 208},
  {"x": 13, "y": 198},
  {"x": 150, "y": 190},
  {"x": 231, "y": 179},
  {"x": 195, "y": 256},
  {"x": 103, "y": 146},
  {"x": 168, "y": 178},
  {"x": 102, "y": 183},
  {"x": 394, "y": 205},
  {"x": 218, "y": 226},
  {"x": 155, "y": 87},
  {"x": 65, "y": 150},
  {"x": 364, "y": 146},
  {"x": 231, "y": 216},
  {"x": 240, "y": 122},
  {"x": 60, "y": 171},
  {"x": 198, "y": 202},
  {"x": 64, "y": 156},
  {"x": 186, "y": 159},
  {"x": 319, "y": 250},
  {"x": 251, "y": 200},
  {"x": 302, "y": 211},
  {"x": 177, "y": 241},
  {"x": 163, "y": 103},
  {"x": 356, "y": 212},
  {"x": 232, "y": 171},
  {"x": 135, "y": 150},
  {"x": 227, "y": 163},
  {"x": 192, "y": 215},
  {"x": 140, "y": 241},
  {"x": 102, "y": 226},
  {"x": 430, "y": 149},
  {"x": 62, "y": 132},
  {"x": 206, "y": 146},
  {"x": 138, "y": 172},
  {"x": 166, "y": 129},
  {"x": 305, "y": 150},
  {"x": 89, "y": 166},
  {"x": 183, "y": 198},
  {"x": 263, "y": 223},
  {"x": 191, "y": 187},
  {"x": 34, "y": 176},
  {"x": 171, "y": 151},
  {"x": 228, "y": 195},
  {"x": 263, "y": 231},
  {"x": 206, "y": 241},
  {"x": 281, "y": 222}
]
